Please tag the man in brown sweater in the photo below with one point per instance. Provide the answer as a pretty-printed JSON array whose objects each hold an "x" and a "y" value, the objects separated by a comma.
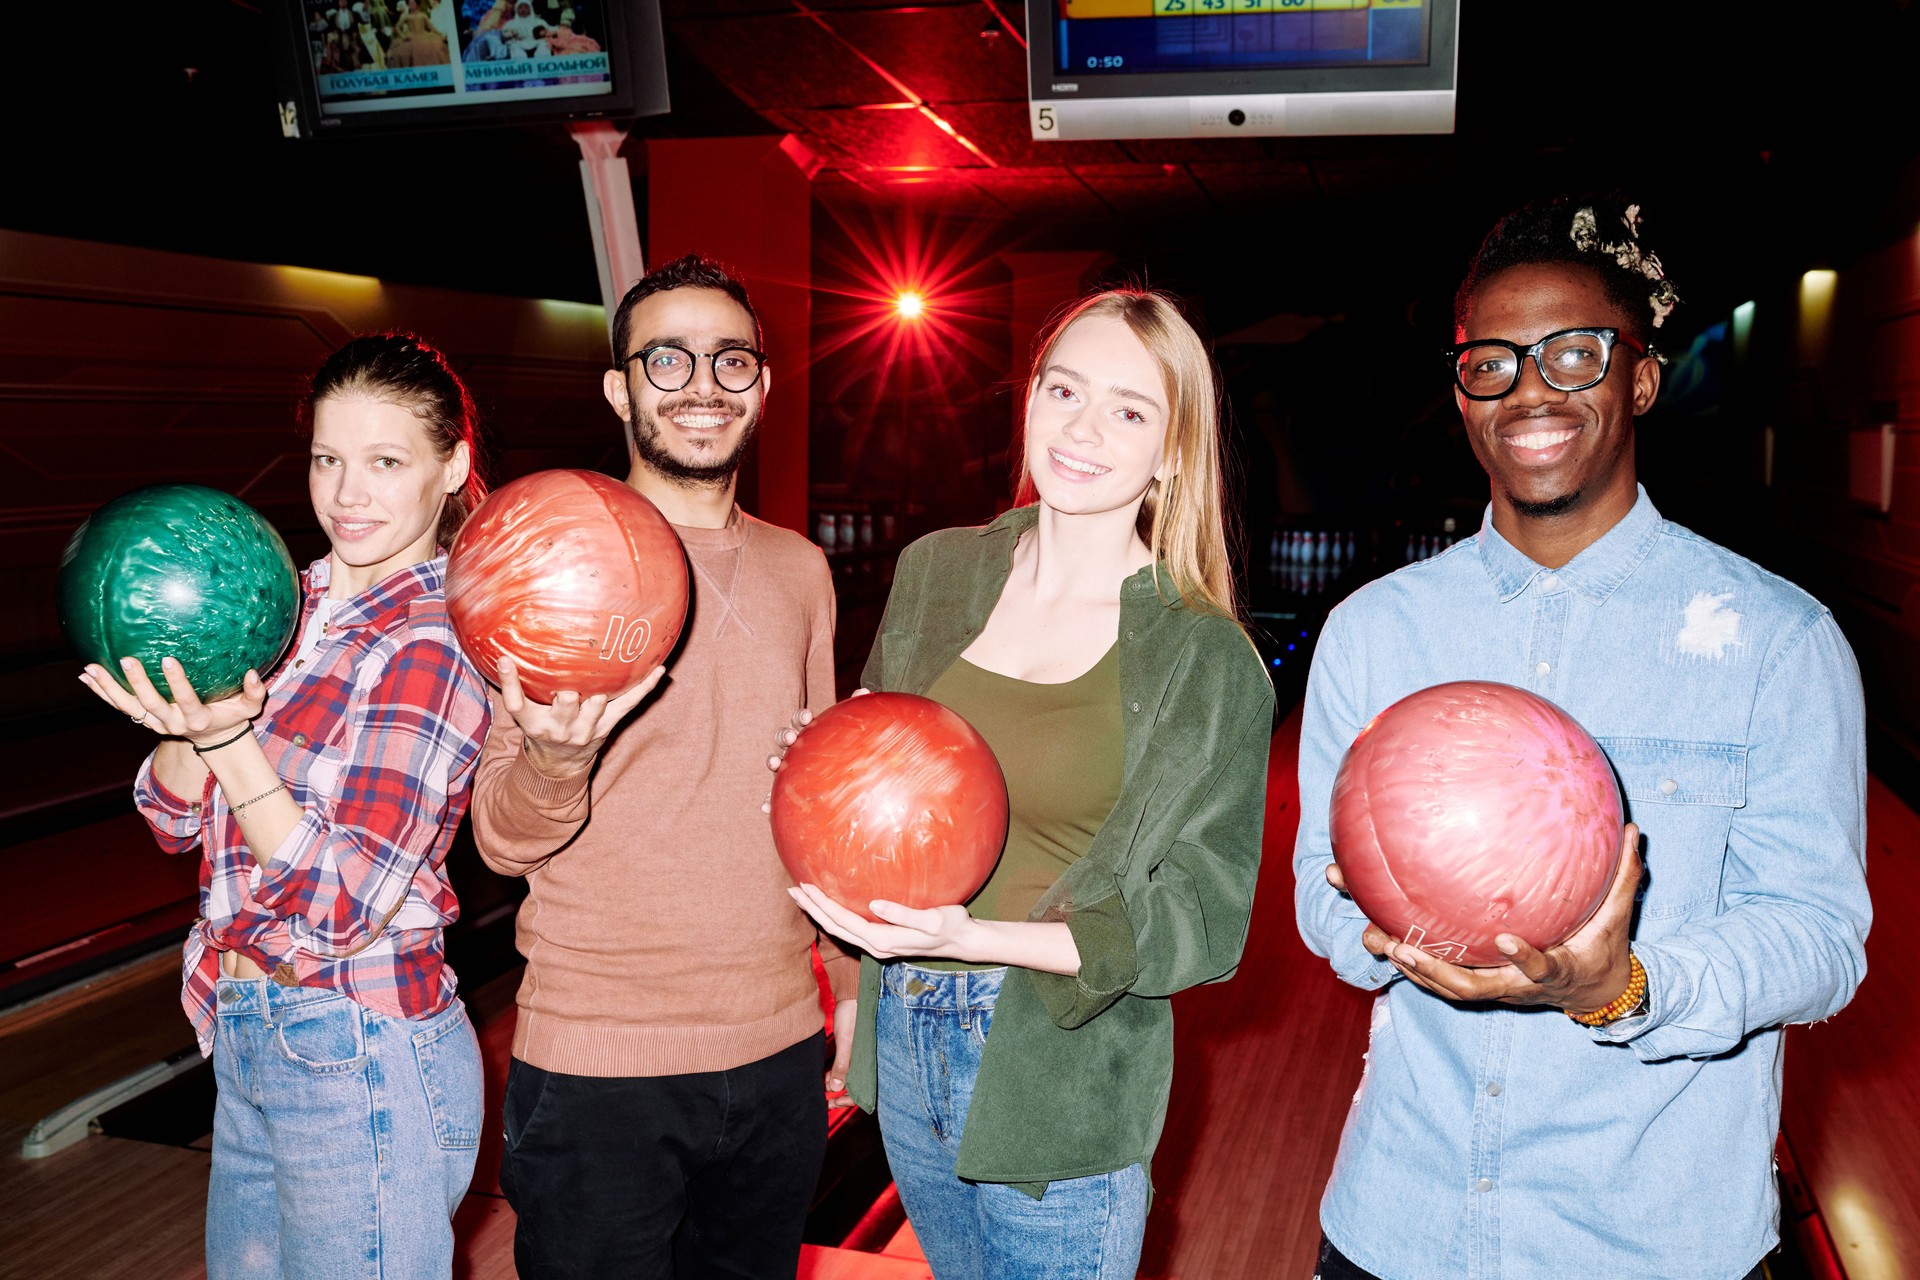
[{"x": 664, "y": 1111}]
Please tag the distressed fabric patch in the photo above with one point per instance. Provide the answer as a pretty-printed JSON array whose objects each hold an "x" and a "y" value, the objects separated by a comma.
[
  {"x": 1708, "y": 628},
  {"x": 1380, "y": 1020}
]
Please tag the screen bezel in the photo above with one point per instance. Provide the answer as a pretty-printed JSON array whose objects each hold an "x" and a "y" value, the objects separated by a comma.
[
  {"x": 1042, "y": 81},
  {"x": 636, "y": 64}
]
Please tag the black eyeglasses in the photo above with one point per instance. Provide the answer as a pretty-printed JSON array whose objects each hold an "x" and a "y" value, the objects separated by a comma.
[
  {"x": 1570, "y": 360},
  {"x": 669, "y": 367}
]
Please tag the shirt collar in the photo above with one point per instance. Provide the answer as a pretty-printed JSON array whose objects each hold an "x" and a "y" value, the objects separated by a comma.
[
  {"x": 1142, "y": 582},
  {"x": 1595, "y": 573},
  {"x": 384, "y": 598}
]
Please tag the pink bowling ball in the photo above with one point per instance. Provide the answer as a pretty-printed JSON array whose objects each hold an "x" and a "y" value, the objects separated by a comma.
[{"x": 1473, "y": 809}]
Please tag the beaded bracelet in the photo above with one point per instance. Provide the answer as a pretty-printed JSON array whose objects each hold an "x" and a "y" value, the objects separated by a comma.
[
  {"x": 1621, "y": 1005},
  {"x": 235, "y": 809}
]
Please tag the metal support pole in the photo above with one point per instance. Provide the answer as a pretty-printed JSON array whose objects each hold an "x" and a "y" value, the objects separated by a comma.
[{"x": 615, "y": 227}]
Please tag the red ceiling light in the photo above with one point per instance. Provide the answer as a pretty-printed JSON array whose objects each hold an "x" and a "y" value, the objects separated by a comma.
[{"x": 909, "y": 305}]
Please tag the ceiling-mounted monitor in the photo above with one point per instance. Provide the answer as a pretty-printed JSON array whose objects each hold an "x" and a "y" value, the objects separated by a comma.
[
  {"x": 350, "y": 65},
  {"x": 1230, "y": 68}
]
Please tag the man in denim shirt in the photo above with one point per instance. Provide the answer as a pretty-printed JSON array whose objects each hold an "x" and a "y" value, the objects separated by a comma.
[{"x": 1544, "y": 1119}]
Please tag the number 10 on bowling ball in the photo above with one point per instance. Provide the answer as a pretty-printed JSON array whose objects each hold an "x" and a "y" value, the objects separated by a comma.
[{"x": 573, "y": 575}]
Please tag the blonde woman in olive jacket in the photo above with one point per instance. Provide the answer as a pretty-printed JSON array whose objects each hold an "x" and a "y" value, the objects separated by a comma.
[{"x": 1019, "y": 1047}]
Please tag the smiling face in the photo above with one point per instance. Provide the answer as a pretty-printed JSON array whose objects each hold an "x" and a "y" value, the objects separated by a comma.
[
  {"x": 1552, "y": 455},
  {"x": 377, "y": 486},
  {"x": 1096, "y": 419},
  {"x": 694, "y": 436}
]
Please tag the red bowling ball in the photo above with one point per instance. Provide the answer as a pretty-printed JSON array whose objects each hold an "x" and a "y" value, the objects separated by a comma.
[
  {"x": 577, "y": 578},
  {"x": 890, "y": 796},
  {"x": 1473, "y": 809}
]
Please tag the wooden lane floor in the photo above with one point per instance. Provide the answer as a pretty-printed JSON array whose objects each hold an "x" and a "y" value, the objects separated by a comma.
[
  {"x": 107, "y": 1207},
  {"x": 119, "y": 1209},
  {"x": 1266, "y": 1066},
  {"x": 1852, "y": 1108}
]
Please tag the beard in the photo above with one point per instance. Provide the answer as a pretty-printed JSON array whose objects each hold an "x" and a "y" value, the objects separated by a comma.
[
  {"x": 710, "y": 469},
  {"x": 1547, "y": 509}
]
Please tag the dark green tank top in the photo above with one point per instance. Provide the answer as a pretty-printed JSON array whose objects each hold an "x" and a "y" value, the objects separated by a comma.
[{"x": 1060, "y": 747}]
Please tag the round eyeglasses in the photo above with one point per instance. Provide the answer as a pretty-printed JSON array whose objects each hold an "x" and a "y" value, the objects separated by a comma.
[
  {"x": 1570, "y": 360},
  {"x": 669, "y": 366}
]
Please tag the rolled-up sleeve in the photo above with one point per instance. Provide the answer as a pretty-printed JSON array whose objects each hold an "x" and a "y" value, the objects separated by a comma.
[
  {"x": 1789, "y": 943},
  {"x": 1186, "y": 924},
  {"x": 176, "y": 823}
]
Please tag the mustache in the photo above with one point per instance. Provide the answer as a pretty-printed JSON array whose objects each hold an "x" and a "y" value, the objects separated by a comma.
[{"x": 672, "y": 406}]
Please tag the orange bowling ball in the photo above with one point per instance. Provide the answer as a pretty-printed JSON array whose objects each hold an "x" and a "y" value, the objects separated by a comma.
[
  {"x": 890, "y": 796},
  {"x": 573, "y": 575}
]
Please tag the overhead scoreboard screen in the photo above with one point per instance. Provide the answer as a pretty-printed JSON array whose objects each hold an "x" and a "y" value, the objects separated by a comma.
[
  {"x": 1134, "y": 36},
  {"x": 1217, "y": 68}
]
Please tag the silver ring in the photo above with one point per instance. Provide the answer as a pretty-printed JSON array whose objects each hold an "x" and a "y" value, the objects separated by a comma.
[{"x": 140, "y": 719}]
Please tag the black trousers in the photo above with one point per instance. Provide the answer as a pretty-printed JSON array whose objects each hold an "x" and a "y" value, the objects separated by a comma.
[
  {"x": 687, "y": 1177},
  {"x": 1335, "y": 1265}
]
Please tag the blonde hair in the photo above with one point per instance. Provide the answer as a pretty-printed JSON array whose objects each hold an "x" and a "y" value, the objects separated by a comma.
[{"x": 1183, "y": 520}]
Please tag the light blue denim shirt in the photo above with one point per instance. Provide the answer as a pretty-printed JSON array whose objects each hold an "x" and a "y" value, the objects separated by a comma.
[{"x": 1501, "y": 1143}]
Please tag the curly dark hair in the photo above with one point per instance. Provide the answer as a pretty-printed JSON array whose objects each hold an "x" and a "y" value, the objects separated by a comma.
[
  {"x": 690, "y": 271},
  {"x": 1600, "y": 233}
]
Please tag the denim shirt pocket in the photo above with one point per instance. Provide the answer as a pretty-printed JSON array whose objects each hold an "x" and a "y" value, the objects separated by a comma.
[{"x": 1683, "y": 795}]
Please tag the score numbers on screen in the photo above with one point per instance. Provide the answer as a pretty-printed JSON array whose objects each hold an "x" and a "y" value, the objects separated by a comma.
[{"x": 1212, "y": 8}]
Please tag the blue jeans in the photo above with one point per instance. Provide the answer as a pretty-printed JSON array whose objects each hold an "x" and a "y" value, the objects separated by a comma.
[
  {"x": 929, "y": 1030},
  {"x": 343, "y": 1140}
]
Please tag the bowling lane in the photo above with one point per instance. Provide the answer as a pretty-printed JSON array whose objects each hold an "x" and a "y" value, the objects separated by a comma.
[
  {"x": 1852, "y": 1103},
  {"x": 1265, "y": 1066}
]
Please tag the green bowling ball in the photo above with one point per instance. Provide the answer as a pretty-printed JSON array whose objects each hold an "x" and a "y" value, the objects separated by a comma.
[{"x": 181, "y": 571}]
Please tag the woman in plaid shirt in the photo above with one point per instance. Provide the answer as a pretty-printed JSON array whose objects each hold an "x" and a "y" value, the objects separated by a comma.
[{"x": 324, "y": 800}]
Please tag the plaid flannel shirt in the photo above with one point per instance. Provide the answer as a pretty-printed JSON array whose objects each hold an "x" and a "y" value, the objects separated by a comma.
[{"x": 377, "y": 736}]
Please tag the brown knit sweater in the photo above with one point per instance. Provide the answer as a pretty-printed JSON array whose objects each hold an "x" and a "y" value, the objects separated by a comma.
[{"x": 658, "y": 933}]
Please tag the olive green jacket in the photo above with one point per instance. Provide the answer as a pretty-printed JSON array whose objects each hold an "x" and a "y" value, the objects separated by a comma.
[{"x": 1076, "y": 1072}]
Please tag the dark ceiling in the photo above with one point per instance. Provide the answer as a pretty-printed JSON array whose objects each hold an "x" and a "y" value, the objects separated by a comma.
[{"x": 1751, "y": 138}]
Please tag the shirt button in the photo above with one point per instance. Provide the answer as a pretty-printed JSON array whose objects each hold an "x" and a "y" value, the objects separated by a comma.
[
  {"x": 1129, "y": 635},
  {"x": 1483, "y": 1185},
  {"x": 1542, "y": 668},
  {"x": 299, "y": 739},
  {"x": 1668, "y": 786},
  {"x": 1493, "y": 1090},
  {"x": 1133, "y": 706},
  {"x": 1550, "y": 583},
  {"x": 194, "y": 807}
]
